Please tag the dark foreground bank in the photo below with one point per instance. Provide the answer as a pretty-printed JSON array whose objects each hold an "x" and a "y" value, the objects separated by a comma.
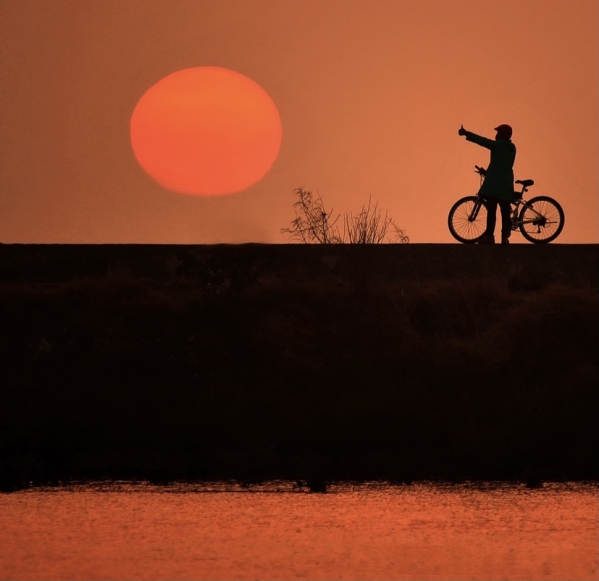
[{"x": 254, "y": 362}]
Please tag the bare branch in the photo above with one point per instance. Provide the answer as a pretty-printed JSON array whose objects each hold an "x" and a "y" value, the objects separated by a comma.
[{"x": 313, "y": 224}]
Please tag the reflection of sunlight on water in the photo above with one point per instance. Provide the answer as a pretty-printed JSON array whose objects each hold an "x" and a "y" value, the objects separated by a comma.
[{"x": 273, "y": 530}]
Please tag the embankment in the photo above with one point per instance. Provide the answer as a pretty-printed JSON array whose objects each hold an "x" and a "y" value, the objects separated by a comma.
[{"x": 253, "y": 362}]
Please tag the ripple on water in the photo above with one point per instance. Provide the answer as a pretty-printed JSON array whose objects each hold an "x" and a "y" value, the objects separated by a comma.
[{"x": 274, "y": 530}]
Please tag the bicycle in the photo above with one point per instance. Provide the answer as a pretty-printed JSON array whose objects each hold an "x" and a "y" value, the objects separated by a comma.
[{"x": 540, "y": 220}]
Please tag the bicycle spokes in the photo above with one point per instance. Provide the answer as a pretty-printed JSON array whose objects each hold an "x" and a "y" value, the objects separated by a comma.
[
  {"x": 541, "y": 219},
  {"x": 468, "y": 219}
]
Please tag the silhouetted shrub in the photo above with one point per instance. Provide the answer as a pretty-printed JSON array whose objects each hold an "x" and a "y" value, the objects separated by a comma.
[{"x": 313, "y": 224}]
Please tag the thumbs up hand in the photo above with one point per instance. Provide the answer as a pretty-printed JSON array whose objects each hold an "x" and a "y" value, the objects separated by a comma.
[{"x": 461, "y": 130}]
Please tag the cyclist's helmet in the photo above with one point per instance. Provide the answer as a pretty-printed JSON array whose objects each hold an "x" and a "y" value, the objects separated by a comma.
[{"x": 504, "y": 131}]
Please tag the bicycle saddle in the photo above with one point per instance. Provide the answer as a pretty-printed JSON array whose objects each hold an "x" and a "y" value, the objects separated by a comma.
[{"x": 525, "y": 183}]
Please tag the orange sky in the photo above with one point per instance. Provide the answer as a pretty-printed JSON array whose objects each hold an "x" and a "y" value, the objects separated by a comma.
[{"x": 370, "y": 92}]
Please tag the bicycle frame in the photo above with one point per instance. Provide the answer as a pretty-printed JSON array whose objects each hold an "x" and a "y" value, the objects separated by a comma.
[{"x": 538, "y": 220}]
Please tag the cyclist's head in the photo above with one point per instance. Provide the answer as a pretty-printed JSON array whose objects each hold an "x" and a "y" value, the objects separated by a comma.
[{"x": 503, "y": 132}]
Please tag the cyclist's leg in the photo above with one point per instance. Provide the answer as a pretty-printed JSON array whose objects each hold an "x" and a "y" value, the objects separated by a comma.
[
  {"x": 491, "y": 217},
  {"x": 506, "y": 218}
]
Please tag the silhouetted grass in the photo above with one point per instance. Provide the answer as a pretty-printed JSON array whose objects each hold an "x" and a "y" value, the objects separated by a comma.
[{"x": 320, "y": 369}]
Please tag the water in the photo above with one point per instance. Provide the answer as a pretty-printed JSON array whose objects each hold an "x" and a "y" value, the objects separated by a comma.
[{"x": 423, "y": 531}]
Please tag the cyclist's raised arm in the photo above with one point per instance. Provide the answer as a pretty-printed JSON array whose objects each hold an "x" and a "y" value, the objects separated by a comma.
[{"x": 479, "y": 140}]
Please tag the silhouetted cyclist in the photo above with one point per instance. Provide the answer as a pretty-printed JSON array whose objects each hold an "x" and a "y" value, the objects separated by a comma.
[{"x": 498, "y": 186}]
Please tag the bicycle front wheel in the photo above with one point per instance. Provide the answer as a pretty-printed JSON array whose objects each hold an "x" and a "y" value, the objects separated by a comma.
[
  {"x": 541, "y": 220},
  {"x": 468, "y": 219}
]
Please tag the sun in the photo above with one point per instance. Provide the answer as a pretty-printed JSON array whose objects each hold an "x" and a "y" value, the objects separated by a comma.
[{"x": 206, "y": 131}]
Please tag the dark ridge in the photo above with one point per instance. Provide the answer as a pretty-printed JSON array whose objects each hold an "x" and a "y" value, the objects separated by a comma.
[{"x": 312, "y": 364}]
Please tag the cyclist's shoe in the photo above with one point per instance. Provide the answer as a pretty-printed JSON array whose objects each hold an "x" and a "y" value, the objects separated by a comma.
[
  {"x": 505, "y": 240},
  {"x": 486, "y": 239}
]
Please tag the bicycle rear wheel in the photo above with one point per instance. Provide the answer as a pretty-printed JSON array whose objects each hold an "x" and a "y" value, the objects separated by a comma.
[
  {"x": 541, "y": 220},
  {"x": 467, "y": 219}
]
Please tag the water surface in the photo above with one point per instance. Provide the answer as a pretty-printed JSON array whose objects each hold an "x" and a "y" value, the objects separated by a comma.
[{"x": 422, "y": 531}]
